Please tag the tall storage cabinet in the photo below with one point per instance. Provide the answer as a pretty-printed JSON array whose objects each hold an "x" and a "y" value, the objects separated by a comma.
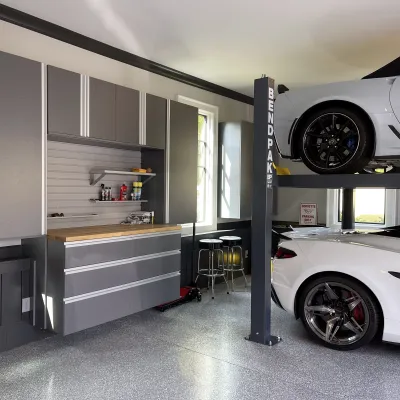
[
  {"x": 235, "y": 181},
  {"x": 156, "y": 121},
  {"x": 21, "y": 150},
  {"x": 183, "y": 145}
]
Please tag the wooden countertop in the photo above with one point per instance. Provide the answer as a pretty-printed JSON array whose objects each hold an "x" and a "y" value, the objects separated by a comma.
[{"x": 106, "y": 231}]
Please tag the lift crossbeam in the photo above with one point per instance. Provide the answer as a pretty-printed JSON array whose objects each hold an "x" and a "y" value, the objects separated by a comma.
[{"x": 388, "y": 181}]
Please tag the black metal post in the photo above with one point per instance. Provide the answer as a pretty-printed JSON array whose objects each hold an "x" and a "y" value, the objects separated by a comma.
[
  {"x": 261, "y": 224},
  {"x": 193, "y": 255},
  {"x": 348, "y": 220}
]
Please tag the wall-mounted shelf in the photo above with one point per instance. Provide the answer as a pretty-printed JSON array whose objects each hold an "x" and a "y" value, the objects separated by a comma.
[
  {"x": 117, "y": 201},
  {"x": 103, "y": 172},
  {"x": 75, "y": 216}
]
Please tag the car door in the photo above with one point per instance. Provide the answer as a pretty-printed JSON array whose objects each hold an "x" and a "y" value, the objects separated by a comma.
[{"x": 395, "y": 97}]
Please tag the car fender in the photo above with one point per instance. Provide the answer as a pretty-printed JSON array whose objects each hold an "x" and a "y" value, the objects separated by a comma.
[
  {"x": 363, "y": 278},
  {"x": 373, "y": 95}
]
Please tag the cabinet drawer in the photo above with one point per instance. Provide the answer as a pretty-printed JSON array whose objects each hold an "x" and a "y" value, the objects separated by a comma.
[
  {"x": 98, "y": 277},
  {"x": 88, "y": 312},
  {"x": 118, "y": 249}
]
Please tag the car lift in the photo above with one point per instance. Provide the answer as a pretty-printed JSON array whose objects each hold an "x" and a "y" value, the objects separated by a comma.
[{"x": 264, "y": 183}]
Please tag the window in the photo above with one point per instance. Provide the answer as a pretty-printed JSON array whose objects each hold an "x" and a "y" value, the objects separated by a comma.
[
  {"x": 203, "y": 174},
  {"x": 373, "y": 207},
  {"x": 207, "y": 166},
  {"x": 370, "y": 206}
]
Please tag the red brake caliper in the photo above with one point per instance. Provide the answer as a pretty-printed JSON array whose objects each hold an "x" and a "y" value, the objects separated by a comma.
[{"x": 358, "y": 312}]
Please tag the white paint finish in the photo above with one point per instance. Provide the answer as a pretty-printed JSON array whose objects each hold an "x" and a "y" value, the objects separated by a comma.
[
  {"x": 14, "y": 39},
  {"x": 69, "y": 190},
  {"x": 231, "y": 43},
  {"x": 395, "y": 98},
  {"x": 230, "y": 172},
  {"x": 371, "y": 95},
  {"x": 359, "y": 256}
]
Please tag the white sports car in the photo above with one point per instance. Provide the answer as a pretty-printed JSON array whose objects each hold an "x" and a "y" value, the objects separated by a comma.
[
  {"x": 343, "y": 127},
  {"x": 345, "y": 287}
]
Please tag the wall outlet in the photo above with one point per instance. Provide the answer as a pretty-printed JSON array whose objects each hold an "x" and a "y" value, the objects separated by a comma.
[{"x": 246, "y": 254}]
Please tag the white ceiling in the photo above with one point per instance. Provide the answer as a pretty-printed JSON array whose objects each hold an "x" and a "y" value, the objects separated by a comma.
[{"x": 232, "y": 42}]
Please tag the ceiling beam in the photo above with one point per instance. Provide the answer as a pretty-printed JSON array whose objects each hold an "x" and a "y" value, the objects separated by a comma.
[{"x": 54, "y": 31}]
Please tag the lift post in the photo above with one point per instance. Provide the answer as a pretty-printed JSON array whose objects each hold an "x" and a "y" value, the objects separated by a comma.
[
  {"x": 261, "y": 224},
  {"x": 348, "y": 212}
]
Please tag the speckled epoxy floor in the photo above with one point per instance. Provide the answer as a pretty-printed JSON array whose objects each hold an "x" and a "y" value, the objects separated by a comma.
[{"x": 196, "y": 352}]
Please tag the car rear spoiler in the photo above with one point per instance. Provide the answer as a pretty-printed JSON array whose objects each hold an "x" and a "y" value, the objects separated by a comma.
[{"x": 276, "y": 239}]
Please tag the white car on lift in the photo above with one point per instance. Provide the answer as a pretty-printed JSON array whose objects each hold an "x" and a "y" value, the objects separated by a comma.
[
  {"x": 343, "y": 127},
  {"x": 345, "y": 287}
]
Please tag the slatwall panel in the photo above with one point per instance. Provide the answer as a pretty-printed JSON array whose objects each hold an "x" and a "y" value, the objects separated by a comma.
[{"x": 68, "y": 188}]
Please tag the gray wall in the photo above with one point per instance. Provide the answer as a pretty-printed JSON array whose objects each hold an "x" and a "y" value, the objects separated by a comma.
[
  {"x": 68, "y": 189},
  {"x": 289, "y": 199}
]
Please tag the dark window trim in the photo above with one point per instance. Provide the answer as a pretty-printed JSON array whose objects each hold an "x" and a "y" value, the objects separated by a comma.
[{"x": 54, "y": 31}]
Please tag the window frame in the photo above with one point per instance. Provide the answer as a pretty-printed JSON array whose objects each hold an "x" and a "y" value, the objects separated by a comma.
[
  {"x": 211, "y": 113},
  {"x": 332, "y": 210}
]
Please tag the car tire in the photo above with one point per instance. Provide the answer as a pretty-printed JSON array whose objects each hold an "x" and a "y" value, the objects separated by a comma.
[
  {"x": 312, "y": 153},
  {"x": 369, "y": 305}
]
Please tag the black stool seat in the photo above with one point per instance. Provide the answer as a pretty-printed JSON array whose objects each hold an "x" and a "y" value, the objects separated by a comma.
[
  {"x": 231, "y": 240},
  {"x": 210, "y": 244}
]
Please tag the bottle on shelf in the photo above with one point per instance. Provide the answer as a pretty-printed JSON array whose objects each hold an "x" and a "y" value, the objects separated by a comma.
[
  {"x": 135, "y": 190},
  {"x": 122, "y": 192},
  {"x": 102, "y": 192}
]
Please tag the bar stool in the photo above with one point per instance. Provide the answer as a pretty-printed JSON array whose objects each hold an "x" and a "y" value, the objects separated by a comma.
[
  {"x": 232, "y": 244},
  {"x": 213, "y": 247}
]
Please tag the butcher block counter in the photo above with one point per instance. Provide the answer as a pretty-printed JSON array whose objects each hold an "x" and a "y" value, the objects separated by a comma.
[
  {"x": 102, "y": 273},
  {"x": 106, "y": 231}
]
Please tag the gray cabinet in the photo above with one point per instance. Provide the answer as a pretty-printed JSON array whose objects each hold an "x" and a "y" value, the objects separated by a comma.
[
  {"x": 131, "y": 284},
  {"x": 156, "y": 121},
  {"x": 183, "y": 163},
  {"x": 102, "y": 109},
  {"x": 127, "y": 115},
  {"x": 64, "y": 101},
  {"x": 235, "y": 184},
  {"x": 21, "y": 154}
]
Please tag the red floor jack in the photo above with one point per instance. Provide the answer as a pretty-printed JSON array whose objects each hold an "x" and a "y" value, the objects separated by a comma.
[{"x": 187, "y": 293}]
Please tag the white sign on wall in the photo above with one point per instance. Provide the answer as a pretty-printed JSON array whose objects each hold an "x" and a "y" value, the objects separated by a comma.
[{"x": 308, "y": 214}]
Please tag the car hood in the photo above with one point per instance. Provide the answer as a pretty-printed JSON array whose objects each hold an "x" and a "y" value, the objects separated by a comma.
[{"x": 361, "y": 238}]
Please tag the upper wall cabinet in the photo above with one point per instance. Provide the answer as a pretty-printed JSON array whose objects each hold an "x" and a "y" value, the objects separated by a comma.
[
  {"x": 63, "y": 98},
  {"x": 127, "y": 115},
  {"x": 156, "y": 121},
  {"x": 183, "y": 163},
  {"x": 102, "y": 109},
  {"x": 113, "y": 112},
  {"x": 235, "y": 159},
  {"x": 21, "y": 152}
]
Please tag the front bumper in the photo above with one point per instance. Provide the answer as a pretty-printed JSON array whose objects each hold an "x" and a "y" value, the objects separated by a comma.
[{"x": 275, "y": 297}]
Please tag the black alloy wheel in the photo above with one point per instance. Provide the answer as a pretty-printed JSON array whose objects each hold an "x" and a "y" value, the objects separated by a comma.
[
  {"x": 335, "y": 141},
  {"x": 339, "y": 312}
]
